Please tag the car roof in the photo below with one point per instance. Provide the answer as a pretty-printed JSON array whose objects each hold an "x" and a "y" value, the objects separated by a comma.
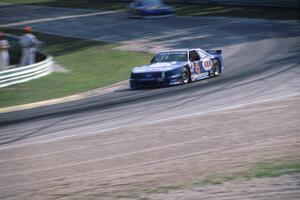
[{"x": 196, "y": 49}]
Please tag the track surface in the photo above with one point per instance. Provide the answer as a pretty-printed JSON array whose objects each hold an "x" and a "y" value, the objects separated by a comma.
[
  {"x": 125, "y": 163},
  {"x": 98, "y": 152}
]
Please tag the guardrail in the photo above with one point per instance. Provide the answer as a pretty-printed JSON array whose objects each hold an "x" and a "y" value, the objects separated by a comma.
[
  {"x": 26, "y": 73},
  {"x": 42, "y": 67}
]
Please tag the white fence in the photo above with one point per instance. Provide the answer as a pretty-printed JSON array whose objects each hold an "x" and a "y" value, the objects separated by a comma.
[{"x": 26, "y": 73}]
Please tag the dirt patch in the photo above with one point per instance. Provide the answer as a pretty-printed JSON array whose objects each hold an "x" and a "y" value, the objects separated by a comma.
[{"x": 60, "y": 69}]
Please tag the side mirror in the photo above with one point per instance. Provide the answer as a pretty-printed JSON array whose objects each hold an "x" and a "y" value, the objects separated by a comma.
[{"x": 152, "y": 60}]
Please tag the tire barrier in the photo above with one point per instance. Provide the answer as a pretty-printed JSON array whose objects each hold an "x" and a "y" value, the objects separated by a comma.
[{"x": 26, "y": 73}]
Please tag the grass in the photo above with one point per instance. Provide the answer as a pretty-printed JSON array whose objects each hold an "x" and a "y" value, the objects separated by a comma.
[
  {"x": 274, "y": 169},
  {"x": 276, "y": 13},
  {"x": 91, "y": 4},
  {"x": 164, "y": 189},
  {"x": 260, "y": 12},
  {"x": 91, "y": 64},
  {"x": 260, "y": 170}
]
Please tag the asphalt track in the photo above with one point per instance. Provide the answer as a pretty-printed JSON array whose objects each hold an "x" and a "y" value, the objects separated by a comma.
[{"x": 262, "y": 62}]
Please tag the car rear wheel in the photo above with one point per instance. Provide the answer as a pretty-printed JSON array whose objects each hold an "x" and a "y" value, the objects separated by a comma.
[
  {"x": 185, "y": 75},
  {"x": 216, "y": 68}
]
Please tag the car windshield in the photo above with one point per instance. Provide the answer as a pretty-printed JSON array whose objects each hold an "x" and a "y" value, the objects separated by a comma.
[
  {"x": 148, "y": 2},
  {"x": 171, "y": 56}
]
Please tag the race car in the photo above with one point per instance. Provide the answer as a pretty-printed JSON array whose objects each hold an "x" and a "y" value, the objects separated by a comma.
[
  {"x": 175, "y": 67},
  {"x": 149, "y": 8}
]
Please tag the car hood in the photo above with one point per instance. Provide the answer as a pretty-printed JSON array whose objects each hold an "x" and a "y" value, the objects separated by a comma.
[{"x": 158, "y": 67}]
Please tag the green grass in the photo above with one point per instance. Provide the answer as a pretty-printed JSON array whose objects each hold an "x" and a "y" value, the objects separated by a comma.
[
  {"x": 91, "y": 64},
  {"x": 260, "y": 170},
  {"x": 181, "y": 8},
  {"x": 164, "y": 189},
  {"x": 276, "y": 13},
  {"x": 25, "y": 1},
  {"x": 274, "y": 169},
  {"x": 91, "y": 4}
]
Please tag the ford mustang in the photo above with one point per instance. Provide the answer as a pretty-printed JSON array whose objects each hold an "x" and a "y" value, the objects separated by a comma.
[{"x": 177, "y": 67}]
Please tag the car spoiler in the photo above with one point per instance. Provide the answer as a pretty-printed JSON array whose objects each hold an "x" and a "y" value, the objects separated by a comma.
[{"x": 215, "y": 52}]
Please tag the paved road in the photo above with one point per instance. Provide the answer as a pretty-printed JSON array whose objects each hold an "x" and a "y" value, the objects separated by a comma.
[{"x": 261, "y": 61}]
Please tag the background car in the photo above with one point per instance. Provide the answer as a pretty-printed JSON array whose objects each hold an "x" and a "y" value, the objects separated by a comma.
[
  {"x": 177, "y": 67},
  {"x": 146, "y": 8}
]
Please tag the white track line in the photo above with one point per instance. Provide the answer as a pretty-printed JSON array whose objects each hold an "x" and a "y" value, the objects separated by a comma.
[{"x": 153, "y": 122}]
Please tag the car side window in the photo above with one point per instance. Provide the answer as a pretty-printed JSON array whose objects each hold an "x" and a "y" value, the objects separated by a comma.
[{"x": 194, "y": 56}]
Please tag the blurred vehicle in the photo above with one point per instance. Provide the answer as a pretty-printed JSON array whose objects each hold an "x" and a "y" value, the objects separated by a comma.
[
  {"x": 149, "y": 8},
  {"x": 177, "y": 67}
]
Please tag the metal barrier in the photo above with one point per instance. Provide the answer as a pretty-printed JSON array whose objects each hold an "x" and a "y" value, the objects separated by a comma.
[{"x": 26, "y": 73}]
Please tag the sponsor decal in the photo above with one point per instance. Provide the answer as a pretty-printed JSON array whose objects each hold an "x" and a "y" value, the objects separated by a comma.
[
  {"x": 159, "y": 65},
  {"x": 200, "y": 76},
  {"x": 207, "y": 64},
  {"x": 197, "y": 67},
  {"x": 173, "y": 52},
  {"x": 192, "y": 69},
  {"x": 151, "y": 69}
]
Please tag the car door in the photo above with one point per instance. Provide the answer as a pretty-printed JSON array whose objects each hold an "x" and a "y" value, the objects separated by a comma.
[
  {"x": 196, "y": 71},
  {"x": 206, "y": 63}
]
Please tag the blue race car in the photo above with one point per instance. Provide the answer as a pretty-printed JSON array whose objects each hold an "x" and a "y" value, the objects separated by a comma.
[
  {"x": 146, "y": 8},
  {"x": 177, "y": 67}
]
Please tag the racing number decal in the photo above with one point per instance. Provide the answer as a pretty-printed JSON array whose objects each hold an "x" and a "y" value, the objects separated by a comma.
[{"x": 207, "y": 64}]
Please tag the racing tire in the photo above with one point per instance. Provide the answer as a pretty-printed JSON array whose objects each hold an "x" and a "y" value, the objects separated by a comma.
[
  {"x": 216, "y": 69},
  {"x": 186, "y": 75}
]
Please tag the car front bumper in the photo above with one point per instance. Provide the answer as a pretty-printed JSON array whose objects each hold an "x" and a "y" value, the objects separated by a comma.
[
  {"x": 154, "y": 82},
  {"x": 151, "y": 12}
]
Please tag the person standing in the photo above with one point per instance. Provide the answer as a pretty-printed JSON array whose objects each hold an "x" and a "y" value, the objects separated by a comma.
[
  {"x": 4, "y": 56},
  {"x": 28, "y": 43}
]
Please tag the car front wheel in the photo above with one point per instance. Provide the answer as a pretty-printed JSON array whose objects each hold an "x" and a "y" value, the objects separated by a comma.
[{"x": 185, "y": 75}]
